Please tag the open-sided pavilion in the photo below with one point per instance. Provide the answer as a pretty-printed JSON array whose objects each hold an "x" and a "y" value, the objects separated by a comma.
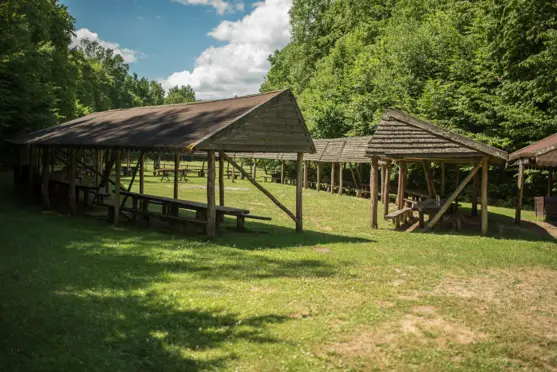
[
  {"x": 540, "y": 155},
  {"x": 269, "y": 122},
  {"x": 402, "y": 139},
  {"x": 335, "y": 151}
]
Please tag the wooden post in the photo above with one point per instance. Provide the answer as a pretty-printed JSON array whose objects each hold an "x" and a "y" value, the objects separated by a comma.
[
  {"x": 30, "y": 172},
  {"x": 282, "y": 172},
  {"x": 71, "y": 189},
  {"x": 429, "y": 179},
  {"x": 386, "y": 189},
  {"x": 107, "y": 172},
  {"x": 117, "y": 171},
  {"x": 485, "y": 166},
  {"x": 176, "y": 170},
  {"x": 442, "y": 179},
  {"x": 383, "y": 175},
  {"x": 97, "y": 165},
  {"x": 457, "y": 181},
  {"x": 221, "y": 178},
  {"x": 374, "y": 190},
  {"x": 228, "y": 170},
  {"x": 254, "y": 169},
  {"x": 401, "y": 189},
  {"x": 46, "y": 178},
  {"x": 475, "y": 195},
  {"x": 453, "y": 197},
  {"x": 318, "y": 186},
  {"x": 233, "y": 172},
  {"x": 550, "y": 183},
  {"x": 340, "y": 171},
  {"x": 211, "y": 205},
  {"x": 299, "y": 164},
  {"x": 306, "y": 171},
  {"x": 332, "y": 177},
  {"x": 519, "y": 194},
  {"x": 142, "y": 173}
]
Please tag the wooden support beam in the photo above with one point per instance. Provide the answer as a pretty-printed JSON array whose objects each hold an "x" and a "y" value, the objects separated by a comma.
[
  {"x": 332, "y": 177},
  {"x": 484, "y": 214},
  {"x": 387, "y": 187},
  {"x": 318, "y": 186},
  {"x": 457, "y": 179},
  {"x": 475, "y": 195},
  {"x": 340, "y": 181},
  {"x": 383, "y": 175},
  {"x": 355, "y": 179},
  {"x": 97, "y": 165},
  {"x": 142, "y": 173},
  {"x": 374, "y": 191},
  {"x": 550, "y": 183},
  {"x": 282, "y": 164},
  {"x": 261, "y": 188},
  {"x": 254, "y": 169},
  {"x": 519, "y": 194},
  {"x": 401, "y": 189},
  {"x": 453, "y": 197},
  {"x": 299, "y": 165},
  {"x": 306, "y": 171},
  {"x": 429, "y": 179},
  {"x": 176, "y": 170},
  {"x": 211, "y": 203},
  {"x": 108, "y": 168},
  {"x": 46, "y": 178},
  {"x": 134, "y": 173},
  {"x": 233, "y": 171},
  {"x": 442, "y": 192},
  {"x": 221, "y": 178},
  {"x": 72, "y": 175},
  {"x": 31, "y": 172},
  {"x": 117, "y": 171},
  {"x": 228, "y": 170}
]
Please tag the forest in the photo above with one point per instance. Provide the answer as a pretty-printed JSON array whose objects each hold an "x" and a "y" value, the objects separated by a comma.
[{"x": 44, "y": 82}]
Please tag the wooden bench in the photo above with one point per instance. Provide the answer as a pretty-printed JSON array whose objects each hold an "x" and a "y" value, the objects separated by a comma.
[
  {"x": 403, "y": 214},
  {"x": 241, "y": 220},
  {"x": 167, "y": 217}
]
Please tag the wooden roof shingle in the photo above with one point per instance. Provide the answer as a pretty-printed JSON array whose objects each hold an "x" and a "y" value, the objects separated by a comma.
[{"x": 542, "y": 153}]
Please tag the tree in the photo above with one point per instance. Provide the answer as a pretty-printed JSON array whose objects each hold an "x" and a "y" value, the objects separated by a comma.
[{"x": 181, "y": 94}]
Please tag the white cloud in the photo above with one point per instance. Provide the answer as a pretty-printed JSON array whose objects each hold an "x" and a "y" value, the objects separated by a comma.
[
  {"x": 222, "y": 6},
  {"x": 238, "y": 68},
  {"x": 129, "y": 55}
]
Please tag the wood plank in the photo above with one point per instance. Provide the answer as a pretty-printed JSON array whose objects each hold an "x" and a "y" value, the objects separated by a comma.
[
  {"x": 453, "y": 197},
  {"x": 373, "y": 187},
  {"x": 484, "y": 213},
  {"x": 117, "y": 171},
  {"x": 46, "y": 178},
  {"x": 211, "y": 205},
  {"x": 299, "y": 164},
  {"x": 261, "y": 188}
]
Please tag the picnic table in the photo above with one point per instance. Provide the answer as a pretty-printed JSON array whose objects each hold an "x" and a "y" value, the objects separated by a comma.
[
  {"x": 430, "y": 206},
  {"x": 171, "y": 207},
  {"x": 166, "y": 172}
]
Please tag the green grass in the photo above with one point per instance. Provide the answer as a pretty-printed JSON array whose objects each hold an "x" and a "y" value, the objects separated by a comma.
[{"x": 77, "y": 294}]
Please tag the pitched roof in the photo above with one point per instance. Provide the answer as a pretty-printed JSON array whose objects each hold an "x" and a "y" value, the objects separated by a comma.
[
  {"x": 346, "y": 149},
  {"x": 539, "y": 148},
  {"x": 262, "y": 122},
  {"x": 400, "y": 135}
]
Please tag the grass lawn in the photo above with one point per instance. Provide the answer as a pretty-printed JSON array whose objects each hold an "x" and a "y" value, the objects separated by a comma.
[{"x": 79, "y": 295}]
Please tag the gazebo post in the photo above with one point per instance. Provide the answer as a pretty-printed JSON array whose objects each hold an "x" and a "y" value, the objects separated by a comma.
[
  {"x": 550, "y": 183},
  {"x": 211, "y": 205},
  {"x": 142, "y": 173},
  {"x": 71, "y": 189},
  {"x": 299, "y": 163},
  {"x": 233, "y": 171},
  {"x": 176, "y": 170},
  {"x": 485, "y": 166},
  {"x": 429, "y": 179},
  {"x": 221, "y": 179},
  {"x": 254, "y": 169},
  {"x": 46, "y": 178},
  {"x": 97, "y": 165},
  {"x": 374, "y": 190},
  {"x": 340, "y": 170},
  {"x": 117, "y": 171},
  {"x": 106, "y": 167},
  {"x": 332, "y": 177},
  {"x": 386, "y": 189},
  {"x": 457, "y": 181},
  {"x": 282, "y": 164},
  {"x": 228, "y": 170},
  {"x": 401, "y": 188},
  {"x": 442, "y": 191},
  {"x": 383, "y": 175},
  {"x": 318, "y": 186},
  {"x": 30, "y": 172},
  {"x": 306, "y": 171},
  {"x": 475, "y": 195},
  {"x": 519, "y": 194}
]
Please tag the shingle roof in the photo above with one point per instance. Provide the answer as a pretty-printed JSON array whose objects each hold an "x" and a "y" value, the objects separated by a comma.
[
  {"x": 250, "y": 122},
  {"x": 402, "y": 136},
  {"x": 539, "y": 148}
]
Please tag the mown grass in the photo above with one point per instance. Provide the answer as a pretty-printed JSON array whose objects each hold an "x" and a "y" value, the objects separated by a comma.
[{"x": 77, "y": 294}]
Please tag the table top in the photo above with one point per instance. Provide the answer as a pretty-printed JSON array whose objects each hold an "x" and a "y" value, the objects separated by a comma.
[
  {"x": 185, "y": 203},
  {"x": 429, "y": 205}
]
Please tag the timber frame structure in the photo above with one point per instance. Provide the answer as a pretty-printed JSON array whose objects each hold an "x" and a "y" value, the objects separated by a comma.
[
  {"x": 402, "y": 139},
  {"x": 539, "y": 155},
  {"x": 268, "y": 122}
]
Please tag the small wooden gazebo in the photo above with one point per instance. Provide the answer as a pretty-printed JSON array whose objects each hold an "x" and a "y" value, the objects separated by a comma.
[
  {"x": 540, "y": 155},
  {"x": 403, "y": 139},
  {"x": 269, "y": 122}
]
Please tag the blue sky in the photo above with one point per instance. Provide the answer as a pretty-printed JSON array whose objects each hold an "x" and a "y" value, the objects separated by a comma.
[{"x": 217, "y": 46}]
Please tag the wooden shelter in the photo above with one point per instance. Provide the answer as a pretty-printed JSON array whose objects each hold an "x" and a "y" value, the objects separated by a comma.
[
  {"x": 403, "y": 139},
  {"x": 539, "y": 155},
  {"x": 336, "y": 151},
  {"x": 269, "y": 122}
]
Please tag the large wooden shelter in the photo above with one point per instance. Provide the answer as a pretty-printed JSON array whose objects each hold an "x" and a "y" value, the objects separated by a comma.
[
  {"x": 335, "y": 151},
  {"x": 402, "y": 139},
  {"x": 269, "y": 122},
  {"x": 539, "y": 155}
]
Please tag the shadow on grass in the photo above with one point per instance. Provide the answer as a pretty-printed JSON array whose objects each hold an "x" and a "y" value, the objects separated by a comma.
[{"x": 500, "y": 226}]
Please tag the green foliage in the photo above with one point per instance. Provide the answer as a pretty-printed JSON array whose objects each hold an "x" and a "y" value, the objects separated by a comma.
[{"x": 183, "y": 94}]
